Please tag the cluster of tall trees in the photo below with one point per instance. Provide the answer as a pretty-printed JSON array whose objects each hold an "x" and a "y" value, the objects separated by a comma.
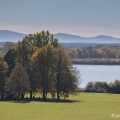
[
  {"x": 100, "y": 51},
  {"x": 38, "y": 63}
]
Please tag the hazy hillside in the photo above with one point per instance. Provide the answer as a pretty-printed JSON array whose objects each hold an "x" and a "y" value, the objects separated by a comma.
[
  {"x": 63, "y": 37},
  {"x": 2, "y": 43},
  {"x": 67, "y": 38},
  {"x": 5, "y": 47},
  {"x": 6, "y": 35}
]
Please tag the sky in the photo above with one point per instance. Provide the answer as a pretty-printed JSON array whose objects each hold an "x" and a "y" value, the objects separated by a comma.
[{"x": 78, "y": 17}]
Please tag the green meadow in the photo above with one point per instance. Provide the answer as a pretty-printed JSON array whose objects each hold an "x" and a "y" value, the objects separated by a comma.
[{"x": 84, "y": 106}]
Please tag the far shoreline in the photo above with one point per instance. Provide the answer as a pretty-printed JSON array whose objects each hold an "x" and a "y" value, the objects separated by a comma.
[
  {"x": 96, "y": 61},
  {"x": 92, "y": 64}
]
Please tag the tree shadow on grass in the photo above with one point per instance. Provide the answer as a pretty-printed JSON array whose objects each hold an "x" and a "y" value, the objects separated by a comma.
[
  {"x": 60, "y": 101},
  {"x": 15, "y": 101},
  {"x": 28, "y": 100}
]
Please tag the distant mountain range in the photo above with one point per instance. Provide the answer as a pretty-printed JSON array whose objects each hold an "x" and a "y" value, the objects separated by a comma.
[
  {"x": 6, "y": 35},
  {"x": 68, "y": 38}
]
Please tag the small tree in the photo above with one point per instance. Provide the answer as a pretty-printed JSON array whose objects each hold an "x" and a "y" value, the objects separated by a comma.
[
  {"x": 18, "y": 84},
  {"x": 115, "y": 87}
]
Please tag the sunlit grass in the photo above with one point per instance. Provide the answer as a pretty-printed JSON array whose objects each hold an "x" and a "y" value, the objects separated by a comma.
[{"x": 85, "y": 106}]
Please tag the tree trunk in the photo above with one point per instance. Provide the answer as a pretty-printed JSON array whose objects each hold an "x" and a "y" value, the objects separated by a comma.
[
  {"x": 43, "y": 87},
  {"x": 58, "y": 97},
  {"x": 30, "y": 94},
  {"x": 18, "y": 96},
  {"x": 44, "y": 97},
  {"x": 2, "y": 95},
  {"x": 22, "y": 96},
  {"x": 58, "y": 87}
]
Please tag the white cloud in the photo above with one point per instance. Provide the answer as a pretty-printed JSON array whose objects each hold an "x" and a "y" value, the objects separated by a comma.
[{"x": 81, "y": 31}]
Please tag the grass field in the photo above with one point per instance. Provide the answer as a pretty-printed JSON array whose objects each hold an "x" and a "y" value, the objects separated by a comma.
[{"x": 85, "y": 106}]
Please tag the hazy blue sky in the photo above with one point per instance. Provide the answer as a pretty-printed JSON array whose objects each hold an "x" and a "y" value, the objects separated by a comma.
[{"x": 80, "y": 17}]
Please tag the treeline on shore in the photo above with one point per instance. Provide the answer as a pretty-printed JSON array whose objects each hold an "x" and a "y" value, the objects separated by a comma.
[
  {"x": 97, "y": 61},
  {"x": 95, "y": 52},
  {"x": 99, "y": 55},
  {"x": 75, "y": 45},
  {"x": 101, "y": 87}
]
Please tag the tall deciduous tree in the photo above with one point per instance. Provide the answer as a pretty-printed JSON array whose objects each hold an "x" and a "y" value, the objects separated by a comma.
[
  {"x": 3, "y": 70},
  {"x": 53, "y": 71},
  {"x": 18, "y": 83},
  {"x": 42, "y": 65},
  {"x": 66, "y": 74},
  {"x": 10, "y": 58}
]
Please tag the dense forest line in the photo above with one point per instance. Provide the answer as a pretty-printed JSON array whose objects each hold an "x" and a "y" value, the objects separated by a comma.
[
  {"x": 37, "y": 63},
  {"x": 103, "y": 55},
  {"x": 78, "y": 45},
  {"x": 100, "y": 51}
]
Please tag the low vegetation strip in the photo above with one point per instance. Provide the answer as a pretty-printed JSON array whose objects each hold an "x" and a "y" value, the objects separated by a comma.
[
  {"x": 97, "y": 61},
  {"x": 85, "y": 106},
  {"x": 101, "y": 87}
]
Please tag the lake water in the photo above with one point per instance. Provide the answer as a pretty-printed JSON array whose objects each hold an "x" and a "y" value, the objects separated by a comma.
[{"x": 106, "y": 73}]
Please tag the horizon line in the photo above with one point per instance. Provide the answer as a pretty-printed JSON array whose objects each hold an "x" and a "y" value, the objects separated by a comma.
[{"x": 62, "y": 33}]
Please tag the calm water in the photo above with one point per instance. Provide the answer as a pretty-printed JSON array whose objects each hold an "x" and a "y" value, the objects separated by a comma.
[{"x": 106, "y": 73}]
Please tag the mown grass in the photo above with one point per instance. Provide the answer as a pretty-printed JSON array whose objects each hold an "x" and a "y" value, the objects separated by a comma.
[{"x": 85, "y": 106}]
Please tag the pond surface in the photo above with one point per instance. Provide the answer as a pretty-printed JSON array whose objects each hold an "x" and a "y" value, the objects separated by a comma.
[{"x": 106, "y": 73}]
